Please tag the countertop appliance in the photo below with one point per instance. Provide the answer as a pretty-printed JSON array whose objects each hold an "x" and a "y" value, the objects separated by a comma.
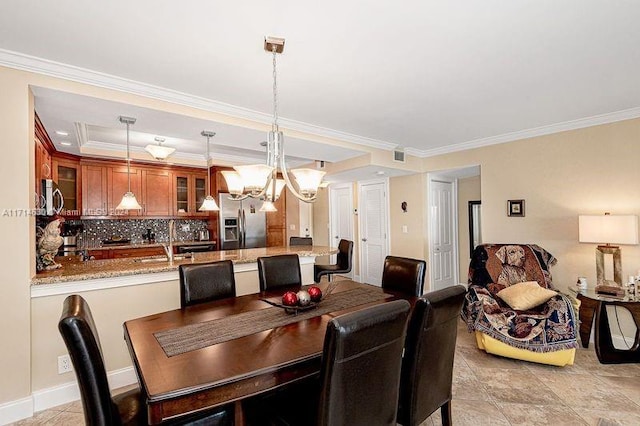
[{"x": 242, "y": 224}]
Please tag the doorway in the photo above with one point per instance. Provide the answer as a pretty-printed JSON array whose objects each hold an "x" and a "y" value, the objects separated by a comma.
[
  {"x": 373, "y": 229},
  {"x": 341, "y": 216}
]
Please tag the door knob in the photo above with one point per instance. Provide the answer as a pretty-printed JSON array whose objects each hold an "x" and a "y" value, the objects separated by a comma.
[
  {"x": 364, "y": 239},
  {"x": 336, "y": 237}
]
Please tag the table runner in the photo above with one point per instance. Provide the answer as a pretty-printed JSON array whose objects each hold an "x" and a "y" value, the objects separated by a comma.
[{"x": 197, "y": 336}]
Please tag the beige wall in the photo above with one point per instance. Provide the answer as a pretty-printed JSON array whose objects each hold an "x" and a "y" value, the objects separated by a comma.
[
  {"x": 585, "y": 171},
  {"x": 411, "y": 189},
  {"x": 468, "y": 190}
]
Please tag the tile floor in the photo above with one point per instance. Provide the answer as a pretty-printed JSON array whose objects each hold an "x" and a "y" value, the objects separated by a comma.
[{"x": 490, "y": 390}]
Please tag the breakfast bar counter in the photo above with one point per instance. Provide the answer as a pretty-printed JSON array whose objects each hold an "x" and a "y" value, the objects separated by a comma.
[{"x": 75, "y": 270}]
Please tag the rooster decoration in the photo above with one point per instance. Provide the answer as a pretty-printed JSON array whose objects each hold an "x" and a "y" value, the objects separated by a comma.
[{"x": 49, "y": 240}]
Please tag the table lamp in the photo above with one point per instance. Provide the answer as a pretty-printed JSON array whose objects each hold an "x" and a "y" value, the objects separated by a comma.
[{"x": 606, "y": 230}]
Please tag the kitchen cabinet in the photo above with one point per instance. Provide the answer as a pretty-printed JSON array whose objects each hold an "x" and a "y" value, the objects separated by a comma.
[
  {"x": 94, "y": 190},
  {"x": 67, "y": 173},
  {"x": 189, "y": 190},
  {"x": 276, "y": 223},
  {"x": 118, "y": 185},
  {"x": 43, "y": 149},
  {"x": 156, "y": 192}
]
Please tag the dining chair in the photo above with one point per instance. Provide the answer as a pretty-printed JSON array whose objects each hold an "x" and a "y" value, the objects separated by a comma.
[
  {"x": 204, "y": 282},
  {"x": 404, "y": 275},
  {"x": 300, "y": 241},
  {"x": 359, "y": 375},
  {"x": 79, "y": 333},
  {"x": 343, "y": 264},
  {"x": 279, "y": 271},
  {"x": 427, "y": 365}
]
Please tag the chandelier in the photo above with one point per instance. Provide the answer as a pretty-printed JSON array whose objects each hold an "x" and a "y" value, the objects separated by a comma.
[{"x": 261, "y": 180}]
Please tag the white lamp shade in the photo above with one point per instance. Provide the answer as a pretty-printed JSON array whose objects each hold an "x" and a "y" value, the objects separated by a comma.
[
  {"x": 129, "y": 202},
  {"x": 159, "y": 152},
  {"x": 608, "y": 229},
  {"x": 308, "y": 180},
  {"x": 254, "y": 176},
  {"x": 280, "y": 183},
  {"x": 234, "y": 182},
  {"x": 209, "y": 205},
  {"x": 268, "y": 207}
]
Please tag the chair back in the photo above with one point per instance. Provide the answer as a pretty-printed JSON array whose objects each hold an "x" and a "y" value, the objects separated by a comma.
[
  {"x": 279, "y": 271},
  {"x": 360, "y": 371},
  {"x": 200, "y": 283},
  {"x": 427, "y": 366},
  {"x": 81, "y": 338},
  {"x": 345, "y": 256},
  {"x": 404, "y": 274},
  {"x": 300, "y": 241}
]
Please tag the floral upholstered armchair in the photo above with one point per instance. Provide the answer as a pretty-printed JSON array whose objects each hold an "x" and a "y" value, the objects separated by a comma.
[{"x": 513, "y": 308}]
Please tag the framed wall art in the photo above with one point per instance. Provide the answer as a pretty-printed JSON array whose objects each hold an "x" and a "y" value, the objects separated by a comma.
[{"x": 515, "y": 208}]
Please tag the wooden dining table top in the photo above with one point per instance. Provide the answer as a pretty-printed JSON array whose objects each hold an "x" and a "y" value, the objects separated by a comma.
[{"x": 232, "y": 370}]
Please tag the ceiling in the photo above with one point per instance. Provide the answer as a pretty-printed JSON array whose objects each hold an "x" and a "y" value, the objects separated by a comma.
[{"x": 427, "y": 76}]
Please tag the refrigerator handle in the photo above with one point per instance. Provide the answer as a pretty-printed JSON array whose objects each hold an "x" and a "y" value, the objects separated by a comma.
[{"x": 244, "y": 229}]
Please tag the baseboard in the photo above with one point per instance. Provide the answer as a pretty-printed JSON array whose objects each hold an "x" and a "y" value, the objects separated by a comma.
[
  {"x": 16, "y": 410},
  {"x": 58, "y": 395}
]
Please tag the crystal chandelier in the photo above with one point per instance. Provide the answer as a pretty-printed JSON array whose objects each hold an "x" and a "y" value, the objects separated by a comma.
[
  {"x": 129, "y": 201},
  {"x": 159, "y": 152},
  {"x": 209, "y": 203},
  {"x": 261, "y": 180}
]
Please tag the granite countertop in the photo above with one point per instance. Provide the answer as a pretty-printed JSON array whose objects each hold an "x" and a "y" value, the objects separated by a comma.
[
  {"x": 143, "y": 245},
  {"x": 76, "y": 270}
]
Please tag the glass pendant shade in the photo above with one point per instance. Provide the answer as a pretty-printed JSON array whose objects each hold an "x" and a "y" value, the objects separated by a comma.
[
  {"x": 234, "y": 182},
  {"x": 268, "y": 207},
  {"x": 308, "y": 180},
  {"x": 209, "y": 205},
  {"x": 129, "y": 202},
  {"x": 280, "y": 183},
  {"x": 254, "y": 176},
  {"x": 159, "y": 152}
]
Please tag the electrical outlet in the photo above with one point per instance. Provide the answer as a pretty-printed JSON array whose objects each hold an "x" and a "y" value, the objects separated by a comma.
[
  {"x": 64, "y": 364},
  {"x": 185, "y": 227}
]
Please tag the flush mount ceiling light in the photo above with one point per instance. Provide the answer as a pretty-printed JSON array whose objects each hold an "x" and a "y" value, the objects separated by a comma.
[
  {"x": 159, "y": 152},
  {"x": 209, "y": 203},
  {"x": 260, "y": 180},
  {"x": 129, "y": 201}
]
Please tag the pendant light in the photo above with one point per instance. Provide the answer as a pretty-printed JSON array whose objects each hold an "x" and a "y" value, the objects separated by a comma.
[
  {"x": 129, "y": 201},
  {"x": 209, "y": 203}
]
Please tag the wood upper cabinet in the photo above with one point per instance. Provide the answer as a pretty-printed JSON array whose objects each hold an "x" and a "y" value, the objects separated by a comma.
[
  {"x": 189, "y": 190},
  {"x": 67, "y": 173},
  {"x": 118, "y": 185},
  {"x": 276, "y": 223},
  {"x": 94, "y": 190},
  {"x": 156, "y": 192}
]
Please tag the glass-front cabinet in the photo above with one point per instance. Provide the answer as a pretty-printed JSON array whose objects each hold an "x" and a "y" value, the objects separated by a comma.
[
  {"x": 66, "y": 173},
  {"x": 190, "y": 189}
]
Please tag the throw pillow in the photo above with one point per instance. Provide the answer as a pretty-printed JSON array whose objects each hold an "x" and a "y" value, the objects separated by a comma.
[{"x": 526, "y": 295}]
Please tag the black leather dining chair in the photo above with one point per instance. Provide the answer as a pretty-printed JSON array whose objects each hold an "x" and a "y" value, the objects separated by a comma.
[
  {"x": 404, "y": 275},
  {"x": 79, "y": 333},
  {"x": 427, "y": 366},
  {"x": 300, "y": 241},
  {"x": 343, "y": 264},
  {"x": 359, "y": 376},
  {"x": 204, "y": 282},
  {"x": 279, "y": 271}
]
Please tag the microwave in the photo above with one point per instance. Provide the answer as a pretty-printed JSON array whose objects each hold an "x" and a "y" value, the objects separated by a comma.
[{"x": 51, "y": 199}]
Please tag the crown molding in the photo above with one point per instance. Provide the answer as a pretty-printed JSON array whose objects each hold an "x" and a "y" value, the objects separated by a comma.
[
  {"x": 34, "y": 64},
  {"x": 611, "y": 117}
]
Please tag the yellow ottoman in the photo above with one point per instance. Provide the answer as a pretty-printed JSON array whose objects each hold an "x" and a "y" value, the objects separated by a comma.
[{"x": 496, "y": 347}]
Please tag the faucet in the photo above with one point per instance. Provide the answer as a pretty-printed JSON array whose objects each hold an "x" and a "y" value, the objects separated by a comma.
[{"x": 168, "y": 248}]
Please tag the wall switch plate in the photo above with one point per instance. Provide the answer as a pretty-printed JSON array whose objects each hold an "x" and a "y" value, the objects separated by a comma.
[
  {"x": 292, "y": 227},
  {"x": 405, "y": 229},
  {"x": 64, "y": 364}
]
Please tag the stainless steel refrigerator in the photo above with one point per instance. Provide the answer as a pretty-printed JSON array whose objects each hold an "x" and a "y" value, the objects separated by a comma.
[{"x": 242, "y": 224}]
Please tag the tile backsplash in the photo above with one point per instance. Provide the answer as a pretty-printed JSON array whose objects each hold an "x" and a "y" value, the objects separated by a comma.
[{"x": 96, "y": 230}]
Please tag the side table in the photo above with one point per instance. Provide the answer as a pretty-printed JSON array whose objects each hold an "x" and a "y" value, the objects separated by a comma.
[{"x": 592, "y": 303}]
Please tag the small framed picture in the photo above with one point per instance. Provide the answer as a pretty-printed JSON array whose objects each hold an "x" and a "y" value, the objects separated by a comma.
[{"x": 515, "y": 208}]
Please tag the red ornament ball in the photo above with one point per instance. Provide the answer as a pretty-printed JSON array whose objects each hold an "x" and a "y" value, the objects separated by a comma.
[
  {"x": 315, "y": 293},
  {"x": 289, "y": 299}
]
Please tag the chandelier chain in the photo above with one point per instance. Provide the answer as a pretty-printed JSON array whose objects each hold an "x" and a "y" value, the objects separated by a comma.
[{"x": 275, "y": 92}]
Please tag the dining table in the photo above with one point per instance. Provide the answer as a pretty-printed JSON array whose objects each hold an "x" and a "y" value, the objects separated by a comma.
[{"x": 225, "y": 351}]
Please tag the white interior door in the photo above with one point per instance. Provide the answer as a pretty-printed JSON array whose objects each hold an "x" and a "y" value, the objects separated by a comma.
[
  {"x": 341, "y": 215},
  {"x": 374, "y": 225},
  {"x": 442, "y": 233}
]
